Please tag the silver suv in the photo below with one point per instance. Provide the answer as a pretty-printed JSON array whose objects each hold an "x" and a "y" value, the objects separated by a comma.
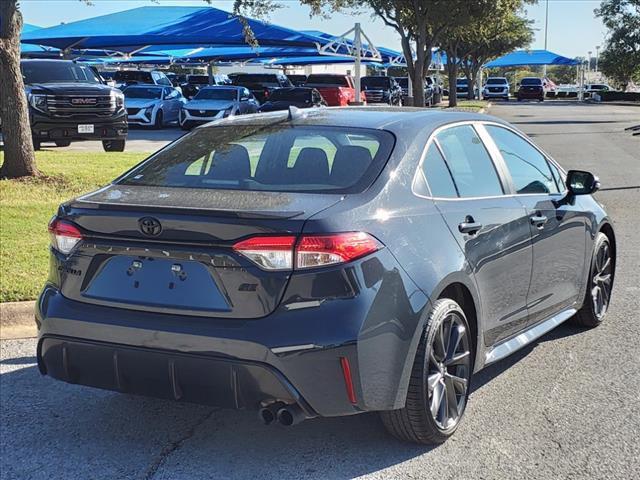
[{"x": 496, "y": 87}]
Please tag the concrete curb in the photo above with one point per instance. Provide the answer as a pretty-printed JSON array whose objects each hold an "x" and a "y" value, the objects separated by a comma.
[{"x": 16, "y": 320}]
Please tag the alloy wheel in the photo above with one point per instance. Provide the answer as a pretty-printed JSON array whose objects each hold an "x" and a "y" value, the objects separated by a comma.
[
  {"x": 601, "y": 280},
  {"x": 449, "y": 371}
]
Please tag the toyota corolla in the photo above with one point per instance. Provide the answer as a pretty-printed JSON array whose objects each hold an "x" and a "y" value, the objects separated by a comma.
[{"x": 325, "y": 263}]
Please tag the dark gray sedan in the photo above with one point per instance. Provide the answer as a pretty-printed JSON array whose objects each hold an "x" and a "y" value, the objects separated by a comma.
[
  {"x": 322, "y": 263},
  {"x": 215, "y": 102}
]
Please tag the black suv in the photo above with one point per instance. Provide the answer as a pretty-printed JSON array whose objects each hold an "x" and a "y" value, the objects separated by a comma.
[
  {"x": 261, "y": 84},
  {"x": 68, "y": 102},
  {"x": 379, "y": 89}
]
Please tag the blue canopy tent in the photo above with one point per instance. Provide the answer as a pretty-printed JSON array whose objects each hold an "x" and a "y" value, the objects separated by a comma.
[
  {"x": 521, "y": 58},
  {"x": 27, "y": 50},
  {"x": 138, "y": 29}
]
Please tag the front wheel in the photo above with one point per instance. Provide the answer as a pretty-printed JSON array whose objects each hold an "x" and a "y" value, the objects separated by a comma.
[
  {"x": 113, "y": 145},
  {"x": 63, "y": 143},
  {"x": 159, "y": 121},
  {"x": 599, "y": 286},
  {"x": 439, "y": 384}
]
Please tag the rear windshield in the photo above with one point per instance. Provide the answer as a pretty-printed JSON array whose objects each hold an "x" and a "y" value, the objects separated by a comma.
[
  {"x": 262, "y": 79},
  {"x": 199, "y": 79},
  {"x": 496, "y": 81},
  {"x": 461, "y": 81},
  {"x": 337, "y": 80},
  {"x": 142, "y": 92},
  {"x": 136, "y": 76},
  {"x": 531, "y": 81},
  {"x": 217, "y": 94},
  {"x": 293, "y": 94},
  {"x": 375, "y": 82},
  {"x": 57, "y": 72},
  {"x": 280, "y": 158}
]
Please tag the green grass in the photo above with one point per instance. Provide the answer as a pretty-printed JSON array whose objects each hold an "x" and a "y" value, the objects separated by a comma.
[
  {"x": 470, "y": 105},
  {"x": 27, "y": 205}
]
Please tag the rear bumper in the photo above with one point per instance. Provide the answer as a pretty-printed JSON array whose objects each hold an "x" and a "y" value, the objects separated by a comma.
[
  {"x": 534, "y": 95},
  {"x": 293, "y": 355},
  {"x": 203, "y": 379}
]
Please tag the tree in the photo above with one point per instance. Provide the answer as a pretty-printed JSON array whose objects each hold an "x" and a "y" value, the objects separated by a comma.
[
  {"x": 620, "y": 59},
  {"x": 498, "y": 35},
  {"x": 19, "y": 159},
  {"x": 482, "y": 30}
]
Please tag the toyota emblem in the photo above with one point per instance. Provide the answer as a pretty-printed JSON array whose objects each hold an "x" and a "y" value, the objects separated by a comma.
[{"x": 150, "y": 226}]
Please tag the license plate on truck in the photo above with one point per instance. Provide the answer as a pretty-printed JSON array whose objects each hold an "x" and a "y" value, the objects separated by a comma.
[{"x": 85, "y": 128}]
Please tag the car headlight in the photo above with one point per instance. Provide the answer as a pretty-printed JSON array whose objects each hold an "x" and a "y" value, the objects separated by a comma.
[
  {"x": 148, "y": 111},
  {"x": 119, "y": 98},
  {"x": 39, "y": 102},
  {"x": 228, "y": 112}
]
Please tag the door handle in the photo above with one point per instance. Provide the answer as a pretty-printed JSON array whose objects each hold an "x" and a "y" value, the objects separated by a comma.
[
  {"x": 469, "y": 226},
  {"x": 538, "y": 220}
]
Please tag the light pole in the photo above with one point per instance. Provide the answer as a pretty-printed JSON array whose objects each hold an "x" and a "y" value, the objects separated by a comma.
[
  {"x": 546, "y": 24},
  {"x": 597, "y": 55},
  {"x": 589, "y": 65}
]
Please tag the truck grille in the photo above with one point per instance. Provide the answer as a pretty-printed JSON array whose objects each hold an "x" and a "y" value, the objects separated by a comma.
[
  {"x": 374, "y": 96},
  {"x": 71, "y": 105},
  {"x": 495, "y": 89},
  {"x": 204, "y": 113}
]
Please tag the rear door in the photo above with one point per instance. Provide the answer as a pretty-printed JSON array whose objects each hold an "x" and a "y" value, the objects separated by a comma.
[
  {"x": 491, "y": 227},
  {"x": 558, "y": 229}
]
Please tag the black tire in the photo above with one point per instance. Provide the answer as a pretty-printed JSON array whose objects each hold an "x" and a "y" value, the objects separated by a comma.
[
  {"x": 37, "y": 145},
  {"x": 159, "y": 120},
  {"x": 415, "y": 422},
  {"x": 63, "y": 143},
  {"x": 591, "y": 315},
  {"x": 113, "y": 145},
  {"x": 185, "y": 126}
]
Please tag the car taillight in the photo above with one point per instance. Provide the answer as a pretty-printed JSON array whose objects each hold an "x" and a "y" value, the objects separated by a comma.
[
  {"x": 320, "y": 250},
  {"x": 64, "y": 236},
  {"x": 270, "y": 253},
  {"x": 311, "y": 251}
]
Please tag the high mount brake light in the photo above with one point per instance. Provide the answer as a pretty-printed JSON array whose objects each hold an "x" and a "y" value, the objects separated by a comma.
[
  {"x": 311, "y": 251},
  {"x": 64, "y": 236}
]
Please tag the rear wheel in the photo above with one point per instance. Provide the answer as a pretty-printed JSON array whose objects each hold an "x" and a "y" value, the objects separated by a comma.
[
  {"x": 439, "y": 384},
  {"x": 113, "y": 145},
  {"x": 600, "y": 283},
  {"x": 63, "y": 143}
]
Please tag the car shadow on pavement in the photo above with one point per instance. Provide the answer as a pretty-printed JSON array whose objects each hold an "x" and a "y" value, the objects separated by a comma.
[
  {"x": 486, "y": 375},
  {"x": 102, "y": 434}
]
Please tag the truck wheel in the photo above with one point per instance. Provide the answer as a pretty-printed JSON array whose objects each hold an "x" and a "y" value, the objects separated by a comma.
[
  {"x": 113, "y": 145},
  {"x": 159, "y": 122},
  {"x": 63, "y": 143},
  {"x": 36, "y": 144}
]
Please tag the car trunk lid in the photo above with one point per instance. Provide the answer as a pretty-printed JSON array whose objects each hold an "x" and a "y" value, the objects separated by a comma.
[{"x": 171, "y": 249}]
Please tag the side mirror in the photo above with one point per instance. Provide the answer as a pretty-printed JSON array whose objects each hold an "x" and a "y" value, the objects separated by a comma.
[{"x": 580, "y": 182}]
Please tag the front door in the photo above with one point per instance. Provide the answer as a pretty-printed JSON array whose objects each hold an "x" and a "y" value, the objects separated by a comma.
[
  {"x": 491, "y": 228},
  {"x": 558, "y": 229}
]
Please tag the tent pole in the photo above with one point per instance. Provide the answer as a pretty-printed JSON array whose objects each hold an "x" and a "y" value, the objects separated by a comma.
[
  {"x": 210, "y": 71},
  {"x": 357, "y": 44}
]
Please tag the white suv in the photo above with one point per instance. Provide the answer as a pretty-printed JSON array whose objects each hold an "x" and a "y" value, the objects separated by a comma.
[{"x": 496, "y": 87}]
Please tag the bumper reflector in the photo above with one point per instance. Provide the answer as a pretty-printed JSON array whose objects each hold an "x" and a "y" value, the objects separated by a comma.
[{"x": 348, "y": 381}]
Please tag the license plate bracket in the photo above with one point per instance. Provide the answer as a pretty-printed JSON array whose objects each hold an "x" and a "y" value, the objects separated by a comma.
[{"x": 86, "y": 128}]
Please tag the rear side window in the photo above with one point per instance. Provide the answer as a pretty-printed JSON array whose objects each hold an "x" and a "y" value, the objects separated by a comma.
[
  {"x": 469, "y": 162},
  {"x": 529, "y": 169},
  {"x": 437, "y": 174},
  {"x": 280, "y": 158}
]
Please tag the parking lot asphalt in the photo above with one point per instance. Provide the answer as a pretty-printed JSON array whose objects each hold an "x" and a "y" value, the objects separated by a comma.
[{"x": 567, "y": 406}]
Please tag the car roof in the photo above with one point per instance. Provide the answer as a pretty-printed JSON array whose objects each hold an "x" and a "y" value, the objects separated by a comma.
[
  {"x": 404, "y": 121},
  {"x": 146, "y": 85}
]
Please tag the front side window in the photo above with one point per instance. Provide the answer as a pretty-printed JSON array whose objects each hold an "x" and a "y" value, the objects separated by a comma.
[
  {"x": 469, "y": 162},
  {"x": 280, "y": 158},
  {"x": 529, "y": 169}
]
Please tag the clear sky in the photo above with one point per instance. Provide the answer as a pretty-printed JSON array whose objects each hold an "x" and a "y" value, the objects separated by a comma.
[{"x": 573, "y": 28}]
